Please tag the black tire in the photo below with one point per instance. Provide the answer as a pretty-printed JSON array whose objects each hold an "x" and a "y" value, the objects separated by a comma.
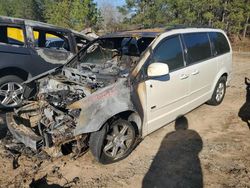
[
  {"x": 7, "y": 79},
  {"x": 215, "y": 100},
  {"x": 102, "y": 139}
]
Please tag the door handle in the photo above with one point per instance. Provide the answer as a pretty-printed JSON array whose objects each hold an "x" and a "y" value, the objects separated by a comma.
[
  {"x": 183, "y": 76},
  {"x": 153, "y": 107},
  {"x": 195, "y": 72}
]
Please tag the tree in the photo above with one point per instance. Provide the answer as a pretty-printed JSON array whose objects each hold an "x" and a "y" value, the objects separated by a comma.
[
  {"x": 111, "y": 18},
  {"x": 230, "y": 15},
  {"x": 58, "y": 12},
  {"x": 75, "y": 14},
  {"x": 93, "y": 17},
  {"x": 31, "y": 9},
  {"x": 5, "y": 8},
  {"x": 246, "y": 16}
]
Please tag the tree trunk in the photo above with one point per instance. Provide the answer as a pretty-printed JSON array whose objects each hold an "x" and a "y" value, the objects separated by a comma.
[
  {"x": 245, "y": 27},
  {"x": 223, "y": 12},
  {"x": 210, "y": 22}
]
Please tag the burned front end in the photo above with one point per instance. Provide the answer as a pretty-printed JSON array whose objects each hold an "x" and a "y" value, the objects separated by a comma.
[
  {"x": 51, "y": 119},
  {"x": 76, "y": 99}
]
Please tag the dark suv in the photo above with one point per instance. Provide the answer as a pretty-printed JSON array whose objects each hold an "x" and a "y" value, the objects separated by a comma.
[{"x": 29, "y": 48}]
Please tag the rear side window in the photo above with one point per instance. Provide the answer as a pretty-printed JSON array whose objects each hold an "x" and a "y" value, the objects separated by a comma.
[
  {"x": 170, "y": 52},
  {"x": 51, "y": 39},
  {"x": 11, "y": 35},
  {"x": 219, "y": 43},
  {"x": 198, "y": 47}
]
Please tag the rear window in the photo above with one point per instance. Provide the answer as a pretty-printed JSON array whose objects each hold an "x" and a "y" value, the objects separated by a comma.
[
  {"x": 198, "y": 47},
  {"x": 219, "y": 43},
  {"x": 11, "y": 35}
]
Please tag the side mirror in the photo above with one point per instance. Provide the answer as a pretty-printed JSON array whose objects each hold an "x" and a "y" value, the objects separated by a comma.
[{"x": 157, "y": 69}]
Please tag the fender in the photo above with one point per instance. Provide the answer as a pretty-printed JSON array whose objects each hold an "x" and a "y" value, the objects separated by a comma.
[
  {"x": 15, "y": 71},
  {"x": 134, "y": 117},
  {"x": 100, "y": 106}
]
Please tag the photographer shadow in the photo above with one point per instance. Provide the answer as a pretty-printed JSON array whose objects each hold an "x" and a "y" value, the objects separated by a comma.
[
  {"x": 244, "y": 112},
  {"x": 177, "y": 163}
]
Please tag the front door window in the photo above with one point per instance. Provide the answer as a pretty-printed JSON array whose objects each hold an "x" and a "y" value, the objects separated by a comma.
[{"x": 169, "y": 51}]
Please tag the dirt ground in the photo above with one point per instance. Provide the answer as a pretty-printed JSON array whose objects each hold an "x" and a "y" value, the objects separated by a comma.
[{"x": 213, "y": 152}]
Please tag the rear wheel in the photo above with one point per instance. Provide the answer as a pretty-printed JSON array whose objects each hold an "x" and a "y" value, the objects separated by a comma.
[
  {"x": 10, "y": 91},
  {"x": 113, "y": 142},
  {"x": 219, "y": 92}
]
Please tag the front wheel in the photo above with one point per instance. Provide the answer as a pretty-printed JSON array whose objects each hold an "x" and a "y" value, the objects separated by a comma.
[
  {"x": 113, "y": 142},
  {"x": 11, "y": 91},
  {"x": 219, "y": 92}
]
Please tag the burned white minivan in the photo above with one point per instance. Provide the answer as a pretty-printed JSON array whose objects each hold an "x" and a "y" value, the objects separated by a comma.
[{"x": 120, "y": 88}]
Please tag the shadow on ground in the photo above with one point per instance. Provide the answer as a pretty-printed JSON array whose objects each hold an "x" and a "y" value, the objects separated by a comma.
[
  {"x": 3, "y": 126},
  {"x": 177, "y": 163},
  {"x": 43, "y": 183},
  {"x": 244, "y": 112}
]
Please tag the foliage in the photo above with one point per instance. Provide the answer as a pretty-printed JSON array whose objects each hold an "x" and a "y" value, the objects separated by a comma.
[
  {"x": 111, "y": 18},
  {"x": 230, "y": 15},
  {"x": 75, "y": 14},
  {"x": 31, "y": 9}
]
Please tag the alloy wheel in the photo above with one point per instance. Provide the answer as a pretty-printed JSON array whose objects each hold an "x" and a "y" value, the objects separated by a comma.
[
  {"x": 11, "y": 94},
  {"x": 220, "y": 92},
  {"x": 118, "y": 140}
]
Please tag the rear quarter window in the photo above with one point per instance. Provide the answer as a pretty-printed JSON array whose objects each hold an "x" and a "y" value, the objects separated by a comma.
[
  {"x": 12, "y": 35},
  {"x": 219, "y": 43},
  {"x": 198, "y": 47}
]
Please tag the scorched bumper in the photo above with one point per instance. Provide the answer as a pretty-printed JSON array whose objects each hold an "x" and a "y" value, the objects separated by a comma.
[{"x": 23, "y": 133}]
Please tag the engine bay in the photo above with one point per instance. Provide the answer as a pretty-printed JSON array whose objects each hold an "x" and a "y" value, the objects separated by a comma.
[{"x": 74, "y": 84}]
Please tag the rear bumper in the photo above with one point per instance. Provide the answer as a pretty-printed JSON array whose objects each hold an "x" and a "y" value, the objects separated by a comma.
[{"x": 23, "y": 133}]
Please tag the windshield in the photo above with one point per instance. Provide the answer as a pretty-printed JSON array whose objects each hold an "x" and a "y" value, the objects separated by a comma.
[
  {"x": 105, "y": 49},
  {"x": 110, "y": 56}
]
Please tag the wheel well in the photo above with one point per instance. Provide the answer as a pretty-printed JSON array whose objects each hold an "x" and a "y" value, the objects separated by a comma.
[
  {"x": 14, "y": 71},
  {"x": 132, "y": 117},
  {"x": 224, "y": 75}
]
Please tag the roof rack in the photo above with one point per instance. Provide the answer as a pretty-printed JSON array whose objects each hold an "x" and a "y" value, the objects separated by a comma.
[
  {"x": 182, "y": 26},
  {"x": 165, "y": 27}
]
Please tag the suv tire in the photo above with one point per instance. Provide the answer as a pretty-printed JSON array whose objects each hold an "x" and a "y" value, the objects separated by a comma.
[
  {"x": 219, "y": 92},
  {"x": 113, "y": 142}
]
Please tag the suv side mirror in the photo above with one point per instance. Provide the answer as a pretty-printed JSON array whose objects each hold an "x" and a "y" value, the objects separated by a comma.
[{"x": 157, "y": 69}]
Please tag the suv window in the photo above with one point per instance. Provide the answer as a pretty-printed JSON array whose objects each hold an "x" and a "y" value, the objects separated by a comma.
[
  {"x": 198, "y": 47},
  {"x": 219, "y": 43},
  {"x": 51, "y": 39},
  {"x": 169, "y": 51},
  {"x": 11, "y": 35}
]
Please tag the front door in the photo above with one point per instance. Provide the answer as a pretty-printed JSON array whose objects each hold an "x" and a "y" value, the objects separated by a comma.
[{"x": 167, "y": 96}]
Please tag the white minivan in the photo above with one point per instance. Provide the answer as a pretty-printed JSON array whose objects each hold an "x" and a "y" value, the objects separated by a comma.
[{"x": 121, "y": 87}]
